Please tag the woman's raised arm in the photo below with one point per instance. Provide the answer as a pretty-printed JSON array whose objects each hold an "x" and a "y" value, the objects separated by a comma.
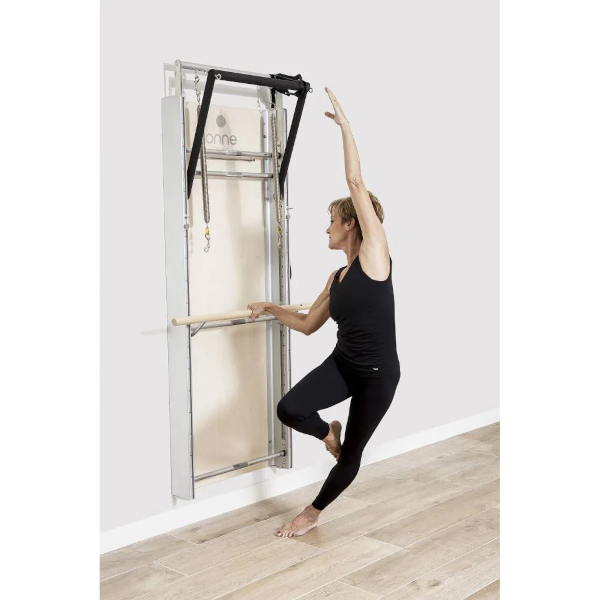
[{"x": 372, "y": 229}]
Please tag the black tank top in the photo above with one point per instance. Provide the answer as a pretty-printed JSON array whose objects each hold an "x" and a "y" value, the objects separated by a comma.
[{"x": 363, "y": 308}]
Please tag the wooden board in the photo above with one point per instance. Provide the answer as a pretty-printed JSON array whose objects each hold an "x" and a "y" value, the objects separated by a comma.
[{"x": 229, "y": 383}]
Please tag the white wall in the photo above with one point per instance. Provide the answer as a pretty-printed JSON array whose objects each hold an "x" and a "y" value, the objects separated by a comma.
[{"x": 420, "y": 86}]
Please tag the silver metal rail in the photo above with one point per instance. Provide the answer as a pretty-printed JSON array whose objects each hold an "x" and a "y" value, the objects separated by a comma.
[
  {"x": 188, "y": 66},
  {"x": 229, "y": 323},
  {"x": 234, "y": 175},
  {"x": 234, "y": 154},
  {"x": 242, "y": 465}
]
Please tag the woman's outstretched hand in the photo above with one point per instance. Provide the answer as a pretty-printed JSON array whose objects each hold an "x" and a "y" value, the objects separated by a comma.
[
  {"x": 257, "y": 309},
  {"x": 338, "y": 117}
]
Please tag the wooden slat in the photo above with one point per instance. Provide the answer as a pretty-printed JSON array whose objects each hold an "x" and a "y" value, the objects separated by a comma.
[{"x": 386, "y": 575}]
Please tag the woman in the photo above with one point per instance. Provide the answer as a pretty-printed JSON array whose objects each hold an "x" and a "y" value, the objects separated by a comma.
[{"x": 364, "y": 364}]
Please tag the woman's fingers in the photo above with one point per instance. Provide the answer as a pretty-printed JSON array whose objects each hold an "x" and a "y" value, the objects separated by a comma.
[
  {"x": 339, "y": 113},
  {"x": 331, "y": 96},
  {"x": 256, "y": 308}
]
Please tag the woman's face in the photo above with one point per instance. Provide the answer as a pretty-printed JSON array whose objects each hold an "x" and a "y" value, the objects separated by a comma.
[{"x": 336, "y": 230}]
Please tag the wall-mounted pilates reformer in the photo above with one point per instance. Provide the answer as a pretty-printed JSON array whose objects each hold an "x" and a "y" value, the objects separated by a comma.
[{"x": 180, "y": 172}]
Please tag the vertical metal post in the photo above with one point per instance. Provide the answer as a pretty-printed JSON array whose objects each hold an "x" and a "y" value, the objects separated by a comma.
[
  {"x": 276, "y": 292},
  {"x": 284, "y": 279},
  {"x": 178, "y": 79},
  {"x": 285, "y": 259},
  {"x": 177, "y": 277}
]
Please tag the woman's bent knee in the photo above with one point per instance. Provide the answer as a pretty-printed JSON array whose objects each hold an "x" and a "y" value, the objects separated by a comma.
[
  {"x": 285, "y": 412},
  {"x": 281, "y": 412}
]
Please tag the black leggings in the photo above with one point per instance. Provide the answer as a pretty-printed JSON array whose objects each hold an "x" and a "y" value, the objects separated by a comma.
[{"x": 331, "y": 383}]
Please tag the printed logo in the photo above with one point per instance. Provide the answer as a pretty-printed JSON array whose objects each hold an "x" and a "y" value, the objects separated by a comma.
[{"x": 222, "y": 139}]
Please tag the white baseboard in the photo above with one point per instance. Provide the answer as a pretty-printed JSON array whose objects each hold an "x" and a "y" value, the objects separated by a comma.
[{"x": 279, "y": 483}]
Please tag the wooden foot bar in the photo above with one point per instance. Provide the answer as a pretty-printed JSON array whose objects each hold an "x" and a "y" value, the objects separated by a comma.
[{"x": 228, "y": 316}]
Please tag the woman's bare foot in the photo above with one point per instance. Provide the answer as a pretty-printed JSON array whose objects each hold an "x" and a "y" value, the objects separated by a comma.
[
  {"x": 332, "y": 441},
  {"x": 304, "y": 522}
]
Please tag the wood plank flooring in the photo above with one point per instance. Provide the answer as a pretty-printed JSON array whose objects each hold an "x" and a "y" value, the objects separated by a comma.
[{"x": 424, "y": 524}]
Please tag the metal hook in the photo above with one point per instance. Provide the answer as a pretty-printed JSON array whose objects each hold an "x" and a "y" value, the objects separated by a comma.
[{"x": 207, "y": 236}]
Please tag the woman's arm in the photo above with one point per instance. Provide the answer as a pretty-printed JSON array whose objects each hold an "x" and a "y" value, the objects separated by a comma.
[
  {"x": 306, "y": 324},
  {"x": 370, "y": 224},
  {"x": 319, "y": 311},
  {"x": 291, "y": 319}
]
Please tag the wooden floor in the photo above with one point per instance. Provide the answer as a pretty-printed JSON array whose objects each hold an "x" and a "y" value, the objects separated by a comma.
[{"x": 424, "y": 524}]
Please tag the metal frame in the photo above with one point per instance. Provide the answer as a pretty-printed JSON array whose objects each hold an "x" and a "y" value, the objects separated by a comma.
[
  {"x": 178, "y": 179},
  {"x": 280, "y": 83}
]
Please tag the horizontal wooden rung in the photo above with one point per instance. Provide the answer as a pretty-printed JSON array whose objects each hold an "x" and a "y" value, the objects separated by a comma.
[{"x": 227, "y": 316}]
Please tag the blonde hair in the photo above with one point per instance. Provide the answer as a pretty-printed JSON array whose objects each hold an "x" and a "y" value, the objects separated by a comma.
[{"x": 345, "y": 208}]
